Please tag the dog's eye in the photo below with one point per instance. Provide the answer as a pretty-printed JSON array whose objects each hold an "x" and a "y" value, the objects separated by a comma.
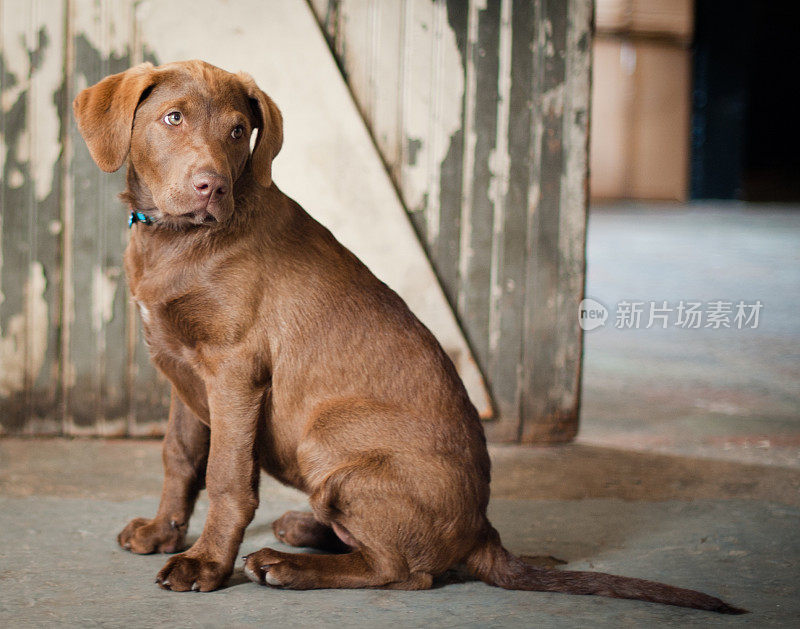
[
  {"x": 237, "y": 132},
  {"x": 173, "y": 118}
]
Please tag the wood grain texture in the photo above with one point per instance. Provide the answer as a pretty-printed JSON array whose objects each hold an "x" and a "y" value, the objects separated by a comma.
[
  {"x": 30, "y": 68},
  {"x": 65, "y": 359},
  {"x": 500, "y": 201},
  {"x": 96, "y": 399},
  {"x": 480, "y": 112},
  {"x": 504, "y": 370}
]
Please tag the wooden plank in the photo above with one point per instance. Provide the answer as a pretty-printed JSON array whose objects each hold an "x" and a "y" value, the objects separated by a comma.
[
  {"x": 539, "y": 414},
  {"x": 32, "y": 60},
  {"x": 573, "y": 214},
  {"x": 416, "y": 99},
  {"x": 447, "y": 89},
  {"x": 387, "y": 70},
  {"x": 478, "y": 209},
  {"x": 355, "y": 36},
  {"x": 548, "y": 416},
  {"x": 48, "y": 110},
  {"x": 96, "y": 396},
  {"x": 16, "y": 193},
  {"x": 504, "y": 222},
  {"x": 505, "y": 363},
  {"x": 111, "y": 305},
  {"x": 446, "y": 252},
  {"x": 403, "y": 60}
]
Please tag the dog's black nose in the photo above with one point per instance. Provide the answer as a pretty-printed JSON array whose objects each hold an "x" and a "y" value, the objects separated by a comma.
[{"x": 210, "y": 185}]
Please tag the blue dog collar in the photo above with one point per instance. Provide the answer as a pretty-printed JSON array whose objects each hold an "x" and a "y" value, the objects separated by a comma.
[{"x": 138, "y": 217}]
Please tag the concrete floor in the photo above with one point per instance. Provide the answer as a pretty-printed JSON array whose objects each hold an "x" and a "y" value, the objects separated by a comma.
[
  {"x": 686, "y": 471},
  {"x": 722, "y": 393},
  {"x": 725, "y": 528}
]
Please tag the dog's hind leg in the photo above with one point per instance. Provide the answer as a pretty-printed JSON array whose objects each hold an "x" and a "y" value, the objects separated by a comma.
[
  {"x": 185, "y": 454},
  {"x": 302, "y": 529},
  {"x": 355, "y": 503},
  {"x": 300, "y": 571}
]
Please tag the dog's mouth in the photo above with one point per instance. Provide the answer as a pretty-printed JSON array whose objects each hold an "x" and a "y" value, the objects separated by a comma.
[
  {"x": 201, "y": 217},
  {"x": 195, "y": 218}
]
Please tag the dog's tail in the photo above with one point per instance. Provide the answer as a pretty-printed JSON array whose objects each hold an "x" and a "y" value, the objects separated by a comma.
[{"x": 493, "y": 564}]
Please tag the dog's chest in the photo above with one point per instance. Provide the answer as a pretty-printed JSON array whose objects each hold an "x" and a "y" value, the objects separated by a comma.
[
  {"x": 177, "y": 332},
  {"x": 185, "y": 325},
  {"x": 183, "y": 307}
]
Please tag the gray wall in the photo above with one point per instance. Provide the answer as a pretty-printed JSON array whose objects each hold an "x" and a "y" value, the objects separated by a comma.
[
  {"x": 479, "y": 111},
  {"x": 70, "y": 358}
]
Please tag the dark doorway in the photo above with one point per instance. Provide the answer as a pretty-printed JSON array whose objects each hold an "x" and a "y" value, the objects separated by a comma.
[{"x": 745, "y": 136}]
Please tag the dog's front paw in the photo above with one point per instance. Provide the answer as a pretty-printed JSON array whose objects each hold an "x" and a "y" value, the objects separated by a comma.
[
  {"x": 183, "y": 573},
  {"x": 143, "y": 536}
]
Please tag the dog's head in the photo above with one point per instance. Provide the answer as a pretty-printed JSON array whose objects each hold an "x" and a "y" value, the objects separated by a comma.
[{"x": 186, "y": 128}]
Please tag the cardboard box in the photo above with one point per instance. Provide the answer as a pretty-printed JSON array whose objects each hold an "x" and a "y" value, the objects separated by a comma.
[
  {"x": 640, "y": 120},
  {"x": 664, "y": 18}
]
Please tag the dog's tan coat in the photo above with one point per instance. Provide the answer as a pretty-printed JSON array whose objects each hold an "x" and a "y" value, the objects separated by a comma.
[{"x": 286, "y": 354}]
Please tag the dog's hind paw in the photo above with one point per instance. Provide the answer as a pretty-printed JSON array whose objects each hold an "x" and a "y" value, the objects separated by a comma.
[{"x": 269, "y": 567}]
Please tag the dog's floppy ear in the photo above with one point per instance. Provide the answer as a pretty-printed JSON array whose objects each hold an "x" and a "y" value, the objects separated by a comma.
[
  {"x": 270, "y": 131},
  {"x": 105, "y": 111}
]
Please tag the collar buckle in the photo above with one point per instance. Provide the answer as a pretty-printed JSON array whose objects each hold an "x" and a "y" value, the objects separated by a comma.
[{"x": 138, "y": 217}]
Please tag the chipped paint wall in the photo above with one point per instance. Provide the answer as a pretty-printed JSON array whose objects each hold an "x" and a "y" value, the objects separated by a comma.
[
  {"x": 71, "y": 361},
  {"x": 480, "y": 110},
  {"x": 31, "y": 87}
]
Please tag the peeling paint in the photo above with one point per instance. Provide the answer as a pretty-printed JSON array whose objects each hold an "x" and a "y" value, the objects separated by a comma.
[
  {"x": 574, "y": 193},
  {"x": 412, "y": 148},
  {"x": 470, "y": 140},
  {"x": 12, "y": 356},
  {"x": 546, "y": 35},
  {"x": 16, "y": 179},
  {"x": 34, "y": 61},
  {"x": 46, "y": 83},
  {"x": 457, "y": 246},
  {"x": 107, "y": 30},
  {"x": 499, "y": 166},
  {"x": 15, "y": 58},
  {"x": 553, "y": 101},
  {"x": 2, "y": 296},
  {"x": 104, "y": 287},
  {"x": 434, "y": 91},
  {"x": 413, "y": 103},
  {"x": 22, "y": 151},
  {"x": 3, "y": 151},
  {"x": 24, "y": 343}
]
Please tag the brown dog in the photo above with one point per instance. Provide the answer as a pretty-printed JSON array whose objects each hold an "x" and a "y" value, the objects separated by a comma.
[{"x": 285, "y": 353}]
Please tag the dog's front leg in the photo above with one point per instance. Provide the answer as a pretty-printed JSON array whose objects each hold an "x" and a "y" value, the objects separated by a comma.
[
  {"x": 232, "y": 486},
  {"x": 185, "y": 453}
]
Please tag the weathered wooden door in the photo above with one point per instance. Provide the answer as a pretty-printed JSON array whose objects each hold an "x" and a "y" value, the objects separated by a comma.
[{"x": 478, "y": 113}]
